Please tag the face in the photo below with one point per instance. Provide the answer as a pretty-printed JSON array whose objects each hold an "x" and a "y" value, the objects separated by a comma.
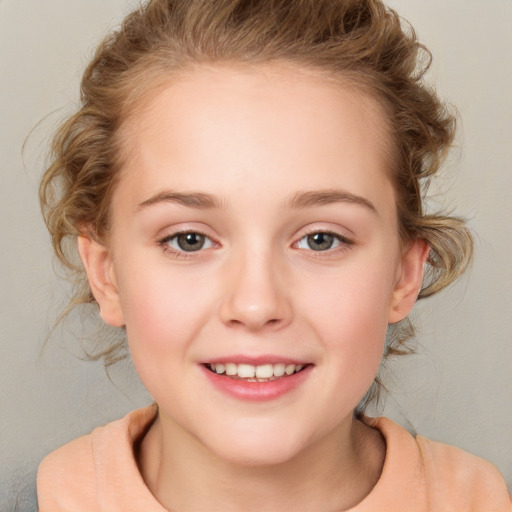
[{"x": 254, "y": 257}]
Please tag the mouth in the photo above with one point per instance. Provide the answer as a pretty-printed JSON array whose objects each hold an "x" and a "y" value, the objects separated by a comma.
[
  {"x": 257, "y": 379},
  {"x": 256, "y": 373}
]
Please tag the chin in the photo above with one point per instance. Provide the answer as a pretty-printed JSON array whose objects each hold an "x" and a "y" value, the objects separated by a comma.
[
  {"x": 252, "y": 456},
  {"x": 257, "y": 447}
]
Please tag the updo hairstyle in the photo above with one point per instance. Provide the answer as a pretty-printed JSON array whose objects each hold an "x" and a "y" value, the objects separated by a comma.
[{"x": 361, "y": 42}]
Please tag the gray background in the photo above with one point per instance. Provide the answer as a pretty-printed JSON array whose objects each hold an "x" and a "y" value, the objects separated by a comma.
[{"x": 457, "y": 389}]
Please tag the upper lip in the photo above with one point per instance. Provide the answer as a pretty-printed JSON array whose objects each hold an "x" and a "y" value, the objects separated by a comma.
[{"x": 255, "y": 360}]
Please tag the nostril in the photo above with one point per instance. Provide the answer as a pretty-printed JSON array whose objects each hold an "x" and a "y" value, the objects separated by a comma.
[{"x": 254, "y": 323}]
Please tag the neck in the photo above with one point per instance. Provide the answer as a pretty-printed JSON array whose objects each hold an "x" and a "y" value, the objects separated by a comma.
[{"x": 335, "y": 473}]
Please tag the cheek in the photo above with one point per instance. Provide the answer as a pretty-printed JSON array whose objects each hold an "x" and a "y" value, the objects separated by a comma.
[
  {"x": 355, "y": 351},
  {"x": 354, "y": 298},
  {"x": 359, "y": 325},
  {"x": 351, "y": 317},
  {"x": 164, "y": 312}
]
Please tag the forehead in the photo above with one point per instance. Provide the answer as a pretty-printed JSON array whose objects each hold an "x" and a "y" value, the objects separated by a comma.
[{"x": 271, "y": 121}]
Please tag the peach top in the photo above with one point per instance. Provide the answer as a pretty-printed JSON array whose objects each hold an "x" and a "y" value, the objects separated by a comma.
[{"x": 98, "y": 472}]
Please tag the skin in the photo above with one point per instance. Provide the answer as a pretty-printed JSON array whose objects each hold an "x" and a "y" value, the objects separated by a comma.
[{"x": 254, "y": 138}]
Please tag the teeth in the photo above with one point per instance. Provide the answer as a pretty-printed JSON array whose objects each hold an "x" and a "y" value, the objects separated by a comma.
[
  {"x": 290, "y": 368},
  {"x": 263, "y": 372},
  {"x": 246, "y": 371},
  {"x": 231, "y": 369},
  {"x": 279, "y": 370}
]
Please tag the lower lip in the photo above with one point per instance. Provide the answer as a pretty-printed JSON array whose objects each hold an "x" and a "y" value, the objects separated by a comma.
[{"x": 257, "y": 391}]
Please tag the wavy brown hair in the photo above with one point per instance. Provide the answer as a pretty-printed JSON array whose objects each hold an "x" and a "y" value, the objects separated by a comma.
[{"x": 359, "y": 41}]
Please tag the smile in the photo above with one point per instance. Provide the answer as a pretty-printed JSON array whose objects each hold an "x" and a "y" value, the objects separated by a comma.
[
  {"x": 252, "y": 373},
  {"x": 259, "y": 379}
]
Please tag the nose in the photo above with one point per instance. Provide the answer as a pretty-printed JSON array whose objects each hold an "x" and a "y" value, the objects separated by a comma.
[{"x": 256, "y": 297}]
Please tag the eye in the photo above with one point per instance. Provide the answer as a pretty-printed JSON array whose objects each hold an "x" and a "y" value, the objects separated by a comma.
[
  {"x": 321, "y": 241},
  {"x": 189, "y": 241}
]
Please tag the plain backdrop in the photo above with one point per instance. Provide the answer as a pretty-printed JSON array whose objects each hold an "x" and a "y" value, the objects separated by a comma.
[{"x": 457, "y": 389}]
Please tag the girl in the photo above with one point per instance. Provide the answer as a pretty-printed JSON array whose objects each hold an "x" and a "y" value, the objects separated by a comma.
[{"x": 243, "y": 183}]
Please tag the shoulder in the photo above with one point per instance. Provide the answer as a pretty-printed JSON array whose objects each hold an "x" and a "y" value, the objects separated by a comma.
[
  {"x": 446, "y": 477},
  {"x": 73, "y": 477},
  {"x": 66, "y": 478},
  {"x": 454, "y": 474}
]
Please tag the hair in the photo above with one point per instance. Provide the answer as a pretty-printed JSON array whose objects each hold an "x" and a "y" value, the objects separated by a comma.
[{"x": 360, "y": 41}]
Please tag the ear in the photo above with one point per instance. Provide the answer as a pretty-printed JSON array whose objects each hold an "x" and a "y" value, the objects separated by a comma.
[
  {"x": 409, "y": 281},
  {"x": 98, "y": 264}
]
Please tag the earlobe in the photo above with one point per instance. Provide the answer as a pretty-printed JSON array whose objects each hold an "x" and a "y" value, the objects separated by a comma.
[
  {"x": 98, "y": 264},
  {"x": 409, "y": 283}
]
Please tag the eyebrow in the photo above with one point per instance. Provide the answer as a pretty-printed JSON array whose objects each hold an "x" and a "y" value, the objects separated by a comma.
[
  {"x": 308, "y": 199},
  {"x": 326, "y": 197},
  {"x": 198, "y": 200}
]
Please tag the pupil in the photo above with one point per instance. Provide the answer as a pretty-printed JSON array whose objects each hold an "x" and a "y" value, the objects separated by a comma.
[
  {"x": 320, "y": 241},
  {"x": 190, "y": 241}
]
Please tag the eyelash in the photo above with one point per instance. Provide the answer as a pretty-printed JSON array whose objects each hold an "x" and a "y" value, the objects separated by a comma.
[
  {"x": 343, "y": 243},
  {"x": 180, "y": 253}
]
